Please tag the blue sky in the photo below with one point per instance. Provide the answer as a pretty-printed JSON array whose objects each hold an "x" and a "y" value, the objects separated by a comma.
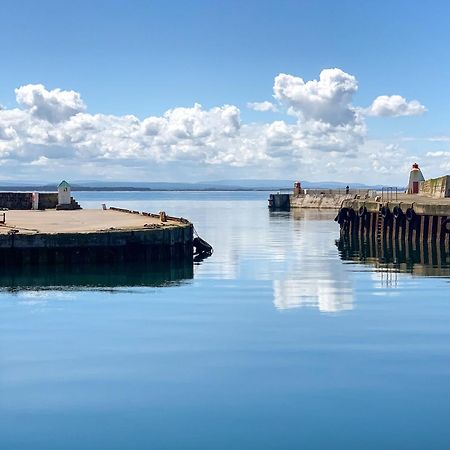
[{"x": 143, "y": 58}]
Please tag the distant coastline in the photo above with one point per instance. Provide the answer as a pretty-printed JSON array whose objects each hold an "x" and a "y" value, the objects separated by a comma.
[
  {"x": 216, "y": 186},
  {"x": 134, "y": 189}
]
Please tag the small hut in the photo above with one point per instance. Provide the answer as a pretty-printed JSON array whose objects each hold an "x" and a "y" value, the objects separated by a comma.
[{"x": 64, "y": 193}]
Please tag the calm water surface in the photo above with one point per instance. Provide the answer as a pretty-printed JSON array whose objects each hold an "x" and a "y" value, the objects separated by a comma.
[{"x": 275, "y": 342}]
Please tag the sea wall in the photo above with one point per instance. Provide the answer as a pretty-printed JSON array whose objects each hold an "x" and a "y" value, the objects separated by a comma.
[
  {"x": 385, "y": 223},
  {"x": 436, "y": 187},
  {"x": 320, "y": 200},
  {"x": 280, "y": 202},
  {"x": 149, "y": 245},
  {"x": 23, "y": 200},
  {"x": 48, "y": 200},
  {"x": 15, "y": 200}
]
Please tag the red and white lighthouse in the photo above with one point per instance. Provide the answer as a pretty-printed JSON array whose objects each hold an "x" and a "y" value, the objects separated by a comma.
[{"x": 415, "y": 177}]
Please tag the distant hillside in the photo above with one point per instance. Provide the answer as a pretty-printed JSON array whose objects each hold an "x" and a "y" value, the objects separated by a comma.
[{"x": 226, "y": 185}]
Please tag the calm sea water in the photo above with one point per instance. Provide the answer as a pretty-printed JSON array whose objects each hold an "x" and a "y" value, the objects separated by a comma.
[{"x": 275, "y": 342}]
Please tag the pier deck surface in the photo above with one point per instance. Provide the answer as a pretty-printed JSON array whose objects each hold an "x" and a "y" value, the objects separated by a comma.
[
  {"x": 415, "y": 198},
  {"x": 78, "y": 221},
  {"x": 421, "y": 204}
]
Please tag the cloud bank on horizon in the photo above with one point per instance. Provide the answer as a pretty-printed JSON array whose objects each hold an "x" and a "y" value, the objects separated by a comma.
[{"x": 320, "y": 135}]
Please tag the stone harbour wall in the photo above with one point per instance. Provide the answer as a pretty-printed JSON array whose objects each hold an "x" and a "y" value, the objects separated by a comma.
[
  {"x": 436, "y": 187},
  {"x": 389, "y": 223},
  {"x": 15, "y": 200},
  {"x": 48, "y": 200},
  {"x": 23, "y": 200},
  {"x": 320, "y": 201},
  {"x": 150, "y": 245}
]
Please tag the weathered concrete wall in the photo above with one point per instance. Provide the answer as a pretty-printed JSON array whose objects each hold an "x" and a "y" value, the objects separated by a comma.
[
  {"x": 23, "y": 200},
  {"x": 320, "y": 201},
  {"x": 388, "y": 222},
  {"x": 436, "y": 187},
  {"x": 15, "y": 200},
  {"x": 280, "y": 202},
  {"x": 421, "y": 205},
  {"x": 157, "y": 244},
  {"x": 48, "y": 200}
]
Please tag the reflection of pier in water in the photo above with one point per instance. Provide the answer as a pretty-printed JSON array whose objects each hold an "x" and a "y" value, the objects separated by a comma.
[
  {"x": 425, "y": 259},
  {"x": 90, "y": 276}
]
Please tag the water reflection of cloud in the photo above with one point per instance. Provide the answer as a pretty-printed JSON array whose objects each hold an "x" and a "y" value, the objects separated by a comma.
[
  {"x": 326, "y": 295},
  {"x": 294, "y": 251},
  {"x": 315, "y": 277}
]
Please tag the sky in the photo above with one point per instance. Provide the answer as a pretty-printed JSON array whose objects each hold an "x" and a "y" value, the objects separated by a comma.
[{"x": 183, "y": 91}]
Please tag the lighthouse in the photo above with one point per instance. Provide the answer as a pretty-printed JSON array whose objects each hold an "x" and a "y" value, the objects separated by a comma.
[{"x": 415, "y": 177}]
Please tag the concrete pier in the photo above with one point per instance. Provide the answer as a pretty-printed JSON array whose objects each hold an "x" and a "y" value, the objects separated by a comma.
[
  {"x": 320, "y": 199},
  {"x": 92, "y": 236},
  {"x": 314, "y": 198},
  {"x": 279, "y": 202},
  {"x": 410, "y": 220}
]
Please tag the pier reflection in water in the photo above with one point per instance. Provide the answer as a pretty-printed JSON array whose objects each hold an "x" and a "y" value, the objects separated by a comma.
[
  {"x": 89, "y": 276},
  {"x": 427, "y": 259}
]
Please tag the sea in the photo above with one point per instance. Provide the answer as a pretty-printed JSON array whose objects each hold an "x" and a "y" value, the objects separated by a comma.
[{"x": 284, "y": 338}]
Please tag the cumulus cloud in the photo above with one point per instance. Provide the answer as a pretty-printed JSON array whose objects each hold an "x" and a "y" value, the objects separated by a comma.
[
  {"x": 7, "y": 133},
  {"x": 53, "y": 106},
  {"x": 324, "y": 135},
  {"x": 41, "y": 161},
  {"x": 441, "y": 158},
  {"x": 279, "y": 134},
  {"x": 327, "y": 99},
  {"x": 262, "y": 106},
  {"x": 394, "y": 106}
]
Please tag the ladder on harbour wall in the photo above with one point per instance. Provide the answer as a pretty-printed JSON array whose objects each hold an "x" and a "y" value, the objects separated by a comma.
[
  {"x": 388, "y": 194},
  {"x": 380, "y": 224}
]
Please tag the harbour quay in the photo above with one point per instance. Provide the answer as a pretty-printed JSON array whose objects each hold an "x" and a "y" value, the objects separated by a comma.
[
  {"x": 316, "y": 198},
  {"x": 408, "y": 218},
  {"x": 109, "y": 235},
  {"x": 418, "y": 216}
]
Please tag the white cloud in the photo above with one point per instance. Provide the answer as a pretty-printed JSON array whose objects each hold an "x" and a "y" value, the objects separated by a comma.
[
  {"x": 439, "y": 139},
  {"x": 54, "y": 106},
  {"x": 394, "y": 106},
  {"x": 327, "y": 99},
  {"x": 262, "y": 106},
  {"x": 41, "y": 161},
  {"x": 7, "y": 133},
  {"x": 327, "y": 120},
  {"x": 51, "y": 134},
  {"x": 440, "y": 158},
  {"x": 438, "y": 154}
]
